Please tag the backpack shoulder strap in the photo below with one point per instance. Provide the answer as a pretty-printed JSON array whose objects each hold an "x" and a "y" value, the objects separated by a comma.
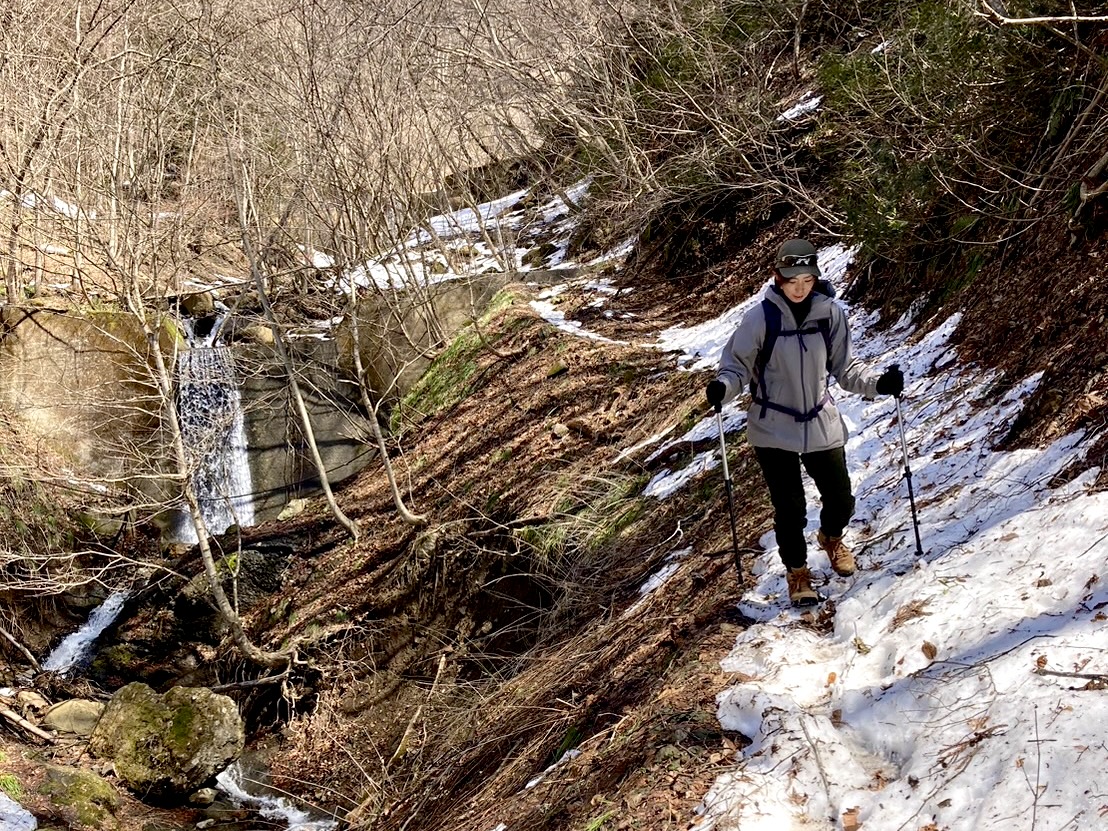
[
  {"x": 772, "y": 315},
  {"x": 824, "y": 326}
]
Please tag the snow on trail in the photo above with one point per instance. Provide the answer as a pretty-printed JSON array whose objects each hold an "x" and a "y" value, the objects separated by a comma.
[
  {"x": 922, "y": 707},
  {"x": 930, "y": 702}
]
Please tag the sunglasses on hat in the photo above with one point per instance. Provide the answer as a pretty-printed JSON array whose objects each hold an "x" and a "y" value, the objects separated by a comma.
[{"x": 792, "y": 260}]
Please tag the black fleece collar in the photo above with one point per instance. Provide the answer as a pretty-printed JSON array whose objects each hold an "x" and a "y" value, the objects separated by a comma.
[{"x": 800, "y": 310}]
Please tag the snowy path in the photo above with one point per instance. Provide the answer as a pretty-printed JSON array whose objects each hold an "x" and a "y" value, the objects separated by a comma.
[{"x": 922, "y": 708}]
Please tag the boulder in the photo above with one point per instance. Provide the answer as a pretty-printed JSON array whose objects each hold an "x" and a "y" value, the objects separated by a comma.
[
  {"x": 167, "y": 746},
  {"x": 198, "y": 304},
  {"x": 14, "y": 817},
  {"x": 259, "y": 574},
  {"x": 78, "y": 716},
  {"x": 84, "y": 798},
  {"x": 259, "y": 334}
]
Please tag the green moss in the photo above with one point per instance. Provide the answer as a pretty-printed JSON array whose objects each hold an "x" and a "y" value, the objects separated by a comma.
[
  {"x": 91, "y": 798},
  {"x": 181, "y": 730},
  {"x": 117, "y": 659},
  {"x": 229, "y": 564},
  {"x": 448, "y": 380},
  {"x": 10, "y": 785}
]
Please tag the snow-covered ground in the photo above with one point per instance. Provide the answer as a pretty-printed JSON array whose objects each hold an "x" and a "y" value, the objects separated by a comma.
[
  {"x": 933, "y": 702},
  {"x": 957, "y": 690}
]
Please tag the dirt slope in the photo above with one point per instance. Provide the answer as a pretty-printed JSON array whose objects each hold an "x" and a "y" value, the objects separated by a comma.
[{"x": 507, "y": 637}]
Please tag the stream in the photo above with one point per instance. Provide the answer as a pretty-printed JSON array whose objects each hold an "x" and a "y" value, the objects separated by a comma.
[
  {"x": 231, "y": 783},
  {"x": 77, "y": 646},
  {"x": 74, "y": 651}
]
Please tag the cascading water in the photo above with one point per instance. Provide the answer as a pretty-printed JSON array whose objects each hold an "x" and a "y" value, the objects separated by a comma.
[
  {"x": 209, "y": 409},
  {"x": 75, "y": 647},
  {"x": 231, "y": 783}
]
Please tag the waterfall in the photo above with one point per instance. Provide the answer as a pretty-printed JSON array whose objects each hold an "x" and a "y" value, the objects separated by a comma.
[
  {"x": 230, "y": 782},
  {"x": 209, "y": 409},
  {"x": 75, "y": 647}
]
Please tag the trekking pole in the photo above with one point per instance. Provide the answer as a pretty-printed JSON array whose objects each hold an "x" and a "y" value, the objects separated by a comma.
[
  {"x": 907, "y": 471},
  {"x": 730, "y": 495}
]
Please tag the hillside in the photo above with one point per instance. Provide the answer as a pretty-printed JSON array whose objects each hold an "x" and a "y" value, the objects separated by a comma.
[
  {"x": 450, "y": 666},
  {"x": 565, "y": 645}
]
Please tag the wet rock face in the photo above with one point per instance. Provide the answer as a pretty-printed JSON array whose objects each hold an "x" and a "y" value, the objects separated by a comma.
[
  {"x": 169, "y": 634},
  {"x": 165, "y": 747}
]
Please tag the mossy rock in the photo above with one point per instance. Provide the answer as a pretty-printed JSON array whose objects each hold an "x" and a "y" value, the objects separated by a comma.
[
  {"x": 537, "y": 256},
  {"x": 164, "y": 747},
  {"x": 88, "y": 799},
  {"x": 118, "y": 658}
]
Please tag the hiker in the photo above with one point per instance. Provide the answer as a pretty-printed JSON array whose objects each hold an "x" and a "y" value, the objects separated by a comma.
[{"x": 783, "y": 352}]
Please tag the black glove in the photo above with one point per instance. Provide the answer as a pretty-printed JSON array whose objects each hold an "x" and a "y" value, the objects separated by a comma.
[
  {"x": 891, "y": 381},
  {"x": 715, "y": 392}
]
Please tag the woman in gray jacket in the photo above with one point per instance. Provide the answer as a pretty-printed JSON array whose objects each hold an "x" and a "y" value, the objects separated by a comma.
[{"x": 784, "y": 351}]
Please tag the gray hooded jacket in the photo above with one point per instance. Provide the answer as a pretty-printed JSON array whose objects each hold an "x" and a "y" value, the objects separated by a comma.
[{"x": 796, "y": 376}]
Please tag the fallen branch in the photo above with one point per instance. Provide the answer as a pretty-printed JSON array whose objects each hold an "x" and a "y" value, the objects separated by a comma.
[
  {"x": 1089, "y": 676},
  {"x": 20, "y": 647},
  {"x": 995, "y": 11},
  {"x": 255, "y": 682},
  {"x": 18, "y": 720}
]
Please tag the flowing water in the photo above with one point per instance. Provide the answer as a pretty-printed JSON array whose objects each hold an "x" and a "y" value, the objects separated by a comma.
[
  {"x": 269, "y": 807},
  {"x": 210, "y": 412},
  {"x": 76, "y": 646}
]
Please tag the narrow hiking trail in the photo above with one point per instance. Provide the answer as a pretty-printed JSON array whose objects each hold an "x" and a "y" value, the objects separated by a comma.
[{"x": 948, "y": 691}]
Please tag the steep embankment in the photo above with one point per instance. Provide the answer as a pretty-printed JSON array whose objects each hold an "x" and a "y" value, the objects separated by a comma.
[
  {"x": 543, "y": 513},
  {"x": 464, "y": 659}
]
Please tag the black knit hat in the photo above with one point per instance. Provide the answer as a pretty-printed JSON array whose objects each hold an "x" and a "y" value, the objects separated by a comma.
[{"x": 796, "y": 257}]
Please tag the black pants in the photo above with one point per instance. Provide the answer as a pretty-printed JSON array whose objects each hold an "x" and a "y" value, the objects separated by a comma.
[{"x": 827, "y": 468}]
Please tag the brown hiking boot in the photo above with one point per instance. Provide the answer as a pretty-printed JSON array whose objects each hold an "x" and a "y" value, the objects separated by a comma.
[
  {"x": 842, "y": 561},
  {"x": 801, "y": 592}
]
